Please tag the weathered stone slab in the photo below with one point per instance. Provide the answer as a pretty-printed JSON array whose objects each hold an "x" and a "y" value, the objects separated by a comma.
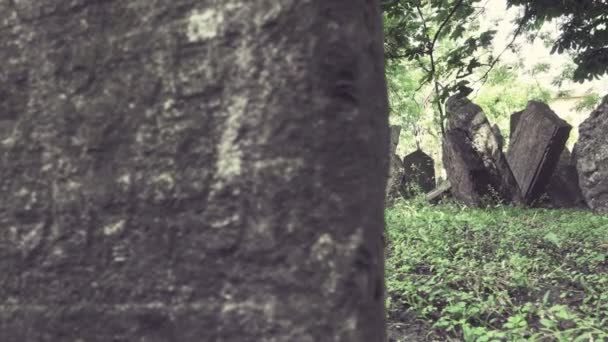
[
  {"x": 535, "y": 149},
  {"x": 591, "y": 157},
  {"x": 185, "y": 171},
  {"x": 476, "y": 167},
  {"x": 440, "y": 192},
  {"x": 419, "y": 174},
  {"x": 394, "y": 187},
  {"x": 563, "y": 190}
]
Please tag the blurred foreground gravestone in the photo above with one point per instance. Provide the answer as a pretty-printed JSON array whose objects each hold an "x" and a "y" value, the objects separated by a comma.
[
  {"x": 535, "y": 148},
  {"x": 418, "y": 174},
  {"x": 475, "y": 165},
  {"x": 591, "y": 156},
  {"x": 192, "y": 171}
]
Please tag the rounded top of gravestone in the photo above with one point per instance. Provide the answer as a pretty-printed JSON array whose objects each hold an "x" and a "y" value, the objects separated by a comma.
[
  {"x": 462, "y": 112},
  {"x": 418, "y": 155}
]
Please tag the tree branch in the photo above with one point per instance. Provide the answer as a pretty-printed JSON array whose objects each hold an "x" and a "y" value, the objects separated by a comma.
[
  {"x": 445, "y": 22},
  {"x": 516, "y": 34}
]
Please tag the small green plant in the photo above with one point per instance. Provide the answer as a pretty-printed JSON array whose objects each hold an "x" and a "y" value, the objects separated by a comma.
[{"x": 499, "y": 274}]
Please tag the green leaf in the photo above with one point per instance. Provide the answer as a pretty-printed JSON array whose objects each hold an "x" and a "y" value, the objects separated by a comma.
[{"x": 554, "y": 239}]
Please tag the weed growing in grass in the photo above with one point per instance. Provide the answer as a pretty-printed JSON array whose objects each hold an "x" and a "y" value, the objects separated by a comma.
[{"x": 499, "y": 274}]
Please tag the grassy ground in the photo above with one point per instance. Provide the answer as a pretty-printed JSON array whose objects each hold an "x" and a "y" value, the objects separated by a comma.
[{"x": 503, "y": 274}]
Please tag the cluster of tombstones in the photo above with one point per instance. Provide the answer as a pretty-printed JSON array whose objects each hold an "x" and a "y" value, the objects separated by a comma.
[{"x": 534, "y": 169}]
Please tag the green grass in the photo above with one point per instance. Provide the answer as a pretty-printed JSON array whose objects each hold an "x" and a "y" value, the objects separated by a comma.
[{"x": 500, "y": 274}]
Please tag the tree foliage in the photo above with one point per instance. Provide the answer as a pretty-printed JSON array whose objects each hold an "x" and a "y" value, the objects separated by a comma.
[
  {"x": 442, "y": 39},
  {"x": 583, "y": 31}
]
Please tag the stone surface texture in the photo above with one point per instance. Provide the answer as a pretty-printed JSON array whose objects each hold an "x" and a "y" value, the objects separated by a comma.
[
  {"x": 563, "y": 190},
  {"x": 192, "y": 170},
  {"x": 591, "y": 155},
  {"x": 535, "y": 148},
  {"x": 394, "y": 186},
  {"x": 475, "y": 165}
]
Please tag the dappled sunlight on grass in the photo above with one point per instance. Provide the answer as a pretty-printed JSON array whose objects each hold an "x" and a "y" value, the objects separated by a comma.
[{"x": 499, "y": 274}]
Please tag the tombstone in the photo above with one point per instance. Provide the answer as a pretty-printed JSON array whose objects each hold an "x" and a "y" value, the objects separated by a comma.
[
  {"x": 395, "y": 173},
  {"x": 591, "y": 157},
  {"x": 535, "y": 149},
  {"x": 418, "y": 175},
  {"x": 476, "y": 167},
  {"x": 499, "y": 137},
  {"x": 192, "y": 171},
  {"x": 395, "y": 180},
  {"x": 563, "y": 190}
]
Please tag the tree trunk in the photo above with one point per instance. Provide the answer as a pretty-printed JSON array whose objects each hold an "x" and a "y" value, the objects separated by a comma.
[{"x": 192, "y": 170}]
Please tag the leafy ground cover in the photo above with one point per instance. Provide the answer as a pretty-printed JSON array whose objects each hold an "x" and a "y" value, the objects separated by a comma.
[{"x": 500, "y": 274}]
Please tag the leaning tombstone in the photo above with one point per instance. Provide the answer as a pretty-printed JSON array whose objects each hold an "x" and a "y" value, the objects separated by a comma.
[
  {"x": 591, "y": 154},
  {"x": 418, "y": 174},
  {"x": 395, "y": 180},
  {"x": 535, "y": 149},
  {"x": 192, "y": 171},
  {"x": 475, "y": 165}
]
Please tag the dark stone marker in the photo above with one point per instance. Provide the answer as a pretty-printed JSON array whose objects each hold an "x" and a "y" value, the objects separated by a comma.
[
  {"x": 591, "y": 157},
  {"x": 186, "y": 171},
  {"x": 535, "y": 149},
  {"x": 563, "y": 190},
  {"x": 419, "y": 173},
  {"x": 476, "y": 167}
]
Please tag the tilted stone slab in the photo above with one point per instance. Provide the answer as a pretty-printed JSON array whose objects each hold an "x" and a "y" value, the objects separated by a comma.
[
  {"x": 535, "y": 149},
  {"x": 476, "y": 166},
  {"x": 439, "y": 193},
  {"x": 187, "y": 171},
  {"x": 418, "y": 174},
  {"x": 591, "y": 155}
]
